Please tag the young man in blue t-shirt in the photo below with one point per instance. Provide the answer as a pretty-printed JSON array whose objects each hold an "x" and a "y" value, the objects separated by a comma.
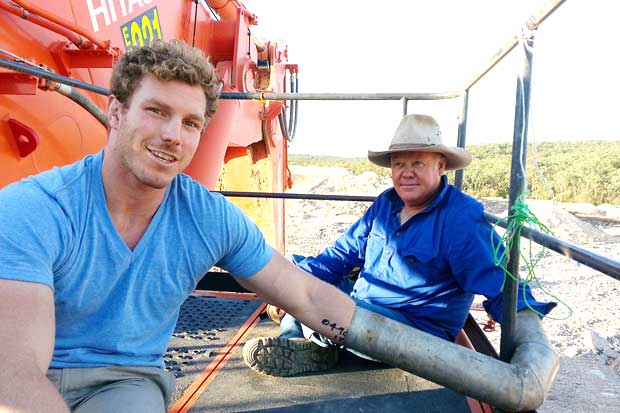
[{"x": 97, "y": 257}]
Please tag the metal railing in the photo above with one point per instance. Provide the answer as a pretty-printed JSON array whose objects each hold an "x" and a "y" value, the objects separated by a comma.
[{"x": 604, "y": 265}]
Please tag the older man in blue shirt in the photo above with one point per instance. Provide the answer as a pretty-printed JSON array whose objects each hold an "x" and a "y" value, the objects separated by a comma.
[{"x": 424, "y": 249}]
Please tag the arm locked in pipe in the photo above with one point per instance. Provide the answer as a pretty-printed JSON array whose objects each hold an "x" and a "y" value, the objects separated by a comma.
[{"x": 521, "y": 385}]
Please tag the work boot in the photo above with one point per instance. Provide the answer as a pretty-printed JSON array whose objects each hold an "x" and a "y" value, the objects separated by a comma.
[
  {"x": 274, "y": 313},
  {"x": 276, "y": 356}
]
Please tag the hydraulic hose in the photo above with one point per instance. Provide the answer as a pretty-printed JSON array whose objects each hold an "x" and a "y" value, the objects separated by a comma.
[
  {"x": 61, "y": 22},
  {"x": 46, "y": 74},
  {"x": 83, "y": 101},
  {"x": 292, "y": 126},
  {"x": 61, "y": 86},
  {"x": 282, "y": 121},
  {"x": 289, "y": 126},
  {"x": 38, "y": 20}
]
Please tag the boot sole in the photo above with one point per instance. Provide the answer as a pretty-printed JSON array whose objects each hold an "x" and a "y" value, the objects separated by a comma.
[{"x": 283, "y": 357}]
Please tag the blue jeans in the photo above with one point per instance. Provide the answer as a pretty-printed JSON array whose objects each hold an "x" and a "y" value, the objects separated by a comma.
[{"x": 291, "y": 328}]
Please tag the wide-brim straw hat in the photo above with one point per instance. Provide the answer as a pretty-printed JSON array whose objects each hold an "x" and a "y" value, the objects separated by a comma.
[{"x": 420, "y": 133}]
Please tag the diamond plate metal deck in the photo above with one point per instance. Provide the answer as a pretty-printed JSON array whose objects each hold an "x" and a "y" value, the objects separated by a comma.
[{"x": 204, "y": 327}]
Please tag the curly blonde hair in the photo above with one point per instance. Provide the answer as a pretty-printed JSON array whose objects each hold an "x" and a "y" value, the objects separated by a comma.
[{"x": 166, "y": 60}]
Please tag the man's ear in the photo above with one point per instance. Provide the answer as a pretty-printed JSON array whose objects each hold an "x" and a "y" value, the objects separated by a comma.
[
  {"x": 442, "y": 164},
  {"x": 114, "y": 111}
]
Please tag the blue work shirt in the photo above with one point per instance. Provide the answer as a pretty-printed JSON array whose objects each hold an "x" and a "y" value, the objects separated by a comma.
[{"x": 429, "y": 268}]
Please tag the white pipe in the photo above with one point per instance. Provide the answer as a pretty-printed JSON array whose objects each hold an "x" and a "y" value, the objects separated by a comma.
[{"x": 519, "y": 386}]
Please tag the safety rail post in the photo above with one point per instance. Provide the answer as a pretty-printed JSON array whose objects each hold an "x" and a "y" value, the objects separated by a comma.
[
  {"x": 462, "y": 135},
  {"x": 518, "y": 185}
]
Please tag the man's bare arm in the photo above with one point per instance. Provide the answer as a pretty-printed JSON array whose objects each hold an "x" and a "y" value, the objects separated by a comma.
[
  {"x": 27, "y": 329},
  {"x": 315, "y": 303}
]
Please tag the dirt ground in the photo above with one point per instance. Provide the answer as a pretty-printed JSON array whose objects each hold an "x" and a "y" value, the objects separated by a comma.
[{"x": 587, "y": 333}]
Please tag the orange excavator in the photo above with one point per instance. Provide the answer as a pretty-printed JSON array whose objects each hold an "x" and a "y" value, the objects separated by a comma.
[{"x": 51, "y": 51}]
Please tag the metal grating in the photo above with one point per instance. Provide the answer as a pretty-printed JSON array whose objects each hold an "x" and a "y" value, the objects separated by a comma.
[{"x": 204, "y": 327}]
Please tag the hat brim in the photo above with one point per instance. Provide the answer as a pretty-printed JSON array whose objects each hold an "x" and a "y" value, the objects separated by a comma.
[{"x": 456, "y": 158}]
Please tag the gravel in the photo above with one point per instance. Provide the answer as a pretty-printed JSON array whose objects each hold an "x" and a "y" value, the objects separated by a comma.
[{"x": 586, "y": 329}]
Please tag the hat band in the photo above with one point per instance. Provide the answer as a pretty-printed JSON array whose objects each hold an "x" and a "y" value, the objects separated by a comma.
[{"x": 400, "y": 146}]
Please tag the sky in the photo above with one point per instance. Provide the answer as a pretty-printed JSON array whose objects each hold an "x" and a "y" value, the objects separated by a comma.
[{"x": 435, "y": 46}]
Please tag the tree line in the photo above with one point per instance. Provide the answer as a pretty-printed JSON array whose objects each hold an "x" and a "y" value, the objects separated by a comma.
[{"x": 583, "y": 171}]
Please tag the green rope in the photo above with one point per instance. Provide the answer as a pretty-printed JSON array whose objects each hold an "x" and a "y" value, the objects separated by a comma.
[{"x": 521, "y": 215}]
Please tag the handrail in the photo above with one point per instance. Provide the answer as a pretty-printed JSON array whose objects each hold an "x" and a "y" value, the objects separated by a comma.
[
  {"x": 339, "y": 96},
  {"x": 532, "y": 23},
  {"x": 46, "y": 74},
  {"x": 588, "y": 258}
]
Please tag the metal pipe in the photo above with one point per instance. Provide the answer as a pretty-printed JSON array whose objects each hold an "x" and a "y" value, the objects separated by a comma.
[
  {"x": 521, "y": 385},
  {"x": 518, "y": 186},
  {"x": 46, "y": 74},
  {"x": 588, "y": 258},
  {"x": 338, "y": 96},
  {"x": 64, "y": 23},
  {"x": 532, "y": 23},
  {"x": 462, "y": 137},
  {"x": 210, "y": 11},
  {"x": 226, "y": 9},
  {"x": 40, "y": 21},
  {"x": 289, "y": 195}
]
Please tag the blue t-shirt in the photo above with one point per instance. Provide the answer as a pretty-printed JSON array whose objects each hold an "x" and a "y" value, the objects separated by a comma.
[
  {"x": 115, "y": 306},
  {"x": 428, "y": 269}
]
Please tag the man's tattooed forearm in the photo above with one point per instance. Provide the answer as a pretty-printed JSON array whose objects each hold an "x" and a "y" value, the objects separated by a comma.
[{"x": 340, "y": 332}]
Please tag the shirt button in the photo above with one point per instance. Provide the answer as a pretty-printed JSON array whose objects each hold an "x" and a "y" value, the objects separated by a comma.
[
  {"x": 398, "y": 233},
  {"x": 388, "y": 251}
]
